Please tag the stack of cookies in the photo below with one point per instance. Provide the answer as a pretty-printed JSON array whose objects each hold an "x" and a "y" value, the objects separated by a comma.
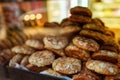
[{"x": 84, "y": 50}]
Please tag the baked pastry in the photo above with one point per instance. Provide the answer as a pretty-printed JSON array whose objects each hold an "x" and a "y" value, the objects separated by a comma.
[
  {"x": 36, "y": 44},
  {"x": 94, "y": 27},
  {"x": 99, "y": 37},
  {"x": 55, "y": 43},
  {"x": 78, "y": 10},
  {"x": 106, "y": 55},
  {"x": 86, "y": 74},
  {"x": 66, "y": 22},
  {"x": 34, "y": 68},
  {"x": 69, "y": 30},
  {"x": 86, "y": 43},
  {"x": 24, "y": 61},
  {"x": 67, "y": 65},
  {"x": 7, "y": 54},
  {"x": 51, "y": 24},
  {"x": 73, "y": 51},
  {"x": 80, "y": 19},
  {"x": 98, "y": 22},
  {"x": 22, "y": 50},
  {"x": 16, "y": 59},
  {"x": 102, "y": 67},
  {"x": 52, "y": 72},
  {"x": 42, "y": 58}
]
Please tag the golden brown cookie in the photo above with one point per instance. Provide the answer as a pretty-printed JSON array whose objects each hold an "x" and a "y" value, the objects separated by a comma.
[
  {"x": 24, "y": 61},
  {"x": 36, "y": 44},
  {"x": 98, "y": 22},
  {"x": 53, "y": 73},
  {"x": 99, "y": 37},
  {"x": 34, "y": 68},
  {"x": 16, "y": 59},
  {"x": 94, "y": 27},
  {"x": 69, "y": 30},
  {"x": 55, "y": 43},
  {"x": 7, "y": 54},
  {"x": 106, "y": 55},
  {"x": 102, "y": 67},
  {"x": 67, "y": 65},
  {"x": 80, "y": 19},
  {"x": 86, "y": 43},
  {"x": 22, "y": 49},
  {"x": 42, "y": 58},
  {"x": 73, "y": 51},
  {"x": 78, "y": 10}
]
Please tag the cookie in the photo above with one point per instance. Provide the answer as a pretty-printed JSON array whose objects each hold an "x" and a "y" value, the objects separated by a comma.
[
  {"x": 67, "y": 65},
  {"x": 16, "y": 59},
  {"x": 55, "y": 43},
  {"x": 85, "y": 43},
  {"x": 42, "y": 58},
  {"x": 78, "y": 10},
  {"x": 36, "y": 44},
  {"x": 73, "y": 51},
  {"x": 24, "y": 61},
  {"x": 106, "y": 55},
  {"x": 22, "y": 50},
  {"x": 102, "y": 67}
]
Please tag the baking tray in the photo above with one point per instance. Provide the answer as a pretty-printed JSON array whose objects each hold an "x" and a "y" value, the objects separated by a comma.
[
  {"x": 19, "y": 74},
  {"x": 3, "y": 71}
]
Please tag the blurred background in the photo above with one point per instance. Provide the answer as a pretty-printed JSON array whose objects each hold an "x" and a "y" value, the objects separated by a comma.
[{"x": 19, "y": 13}]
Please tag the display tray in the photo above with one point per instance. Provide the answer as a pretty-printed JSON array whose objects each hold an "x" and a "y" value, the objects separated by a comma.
[
  {"x": 3, "y": 71},
  {"x": 19, "y": 74}
]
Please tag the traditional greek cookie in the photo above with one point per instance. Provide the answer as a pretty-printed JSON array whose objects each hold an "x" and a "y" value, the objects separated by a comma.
[
  {"x": 67, "y": 30},
  {"x": 66, "y": 22},
  {"x": 55, "y": 43},
  {"x": 106, "y": 55},
  {"x": 22, "y": 49},
  {"x": 86, "y": 74},
  {"x": 34, "y": 68},
  {"x": 51, "y": 24},
  {"x": 94, "y": 27},
  {"x": 73, "y": 51},
  {"x": 80, "y": 19},
  {"x": 42, "y": 58},
  {"x": 16, "y": 59},
  {"x": 109, "y": 47},
  {"x": 53, "y": 73},
  {"x": 86, "y": 43},
  {"x": 81, "y": 11},
  {"x": 67, "y": 65},
  {"x": 36, "y": 44},
  {"x": 7, "y": 54},
  {"x": 102, "y": 67},
  {"x": 24, "y": 61},
  {"x": 98, "y": 22},
  {"x": 101, "y": 38}
]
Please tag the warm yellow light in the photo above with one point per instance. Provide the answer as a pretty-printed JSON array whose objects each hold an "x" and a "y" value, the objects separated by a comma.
[
  {"x": 32, "y": 16},
  {"x": 26, "y": 17},
  {"x": 38, "y": 16}
]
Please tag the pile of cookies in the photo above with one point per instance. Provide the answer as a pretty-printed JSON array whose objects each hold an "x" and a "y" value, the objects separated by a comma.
[{"x": 84, "y": 50}]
